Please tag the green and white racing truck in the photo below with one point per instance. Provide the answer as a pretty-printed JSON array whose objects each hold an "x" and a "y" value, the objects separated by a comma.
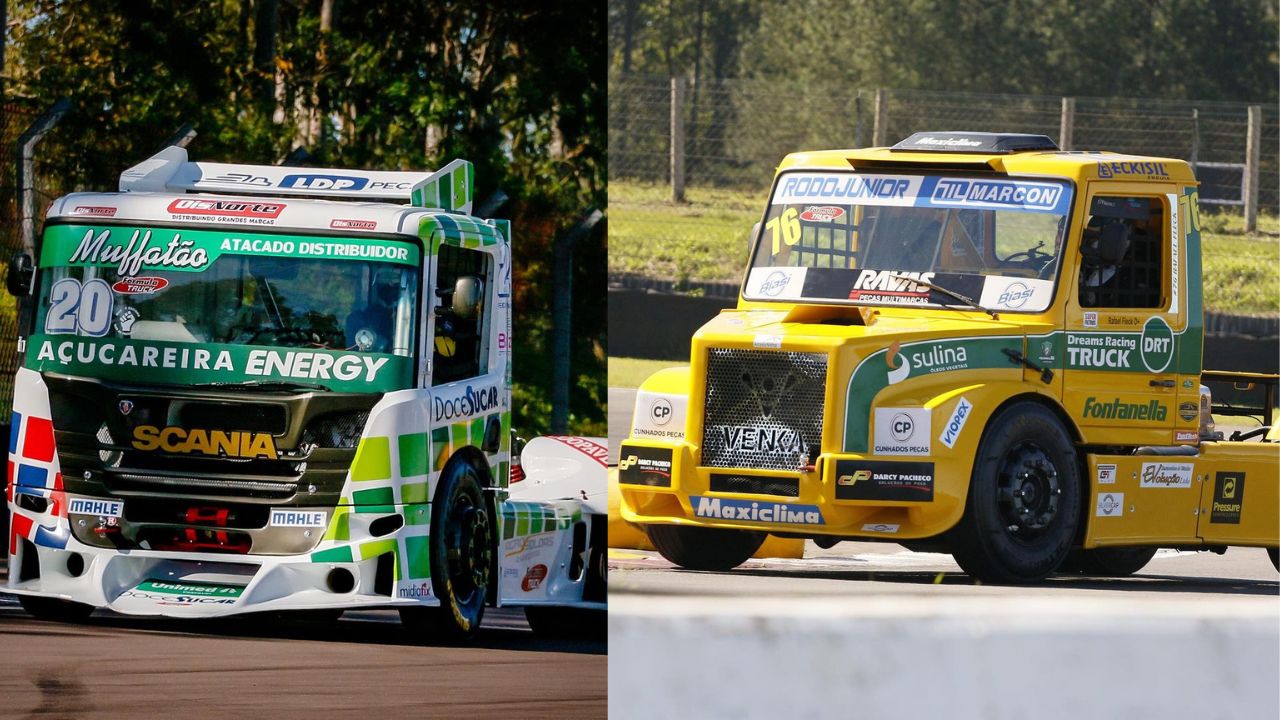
[{"x": 259, "y": 388}]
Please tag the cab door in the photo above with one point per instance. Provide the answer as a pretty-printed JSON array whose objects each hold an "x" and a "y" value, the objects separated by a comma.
[{"x": 1125, "y": 315}]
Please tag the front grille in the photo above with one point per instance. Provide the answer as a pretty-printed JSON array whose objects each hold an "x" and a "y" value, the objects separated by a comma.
[
  {"x": 755, "y": 485},
  {"x": 764, "y": 408}
]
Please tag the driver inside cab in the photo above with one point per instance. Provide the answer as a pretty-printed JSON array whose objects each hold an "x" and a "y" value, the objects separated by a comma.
[{"x": 371, "y": 328}]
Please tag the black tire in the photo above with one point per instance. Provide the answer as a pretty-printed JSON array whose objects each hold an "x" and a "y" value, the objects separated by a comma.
[
  {"x": 1108, "y": 562},
  {"x": 567, "y": 622},
  {"x": 1274, "y": 553},
  {"x": 55, "y": 609},
  {"x": 699, "y": 548},
  {"x": 461, "y": 557},
  {"x": 1024, "y": 499}
]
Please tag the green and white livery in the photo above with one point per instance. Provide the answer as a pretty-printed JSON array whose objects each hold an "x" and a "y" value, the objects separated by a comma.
[{"x": 250, "y": 388}]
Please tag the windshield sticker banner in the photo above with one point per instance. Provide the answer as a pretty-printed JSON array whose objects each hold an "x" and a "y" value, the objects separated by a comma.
[
  {"x": 929, "y": 191},
  {"x": 776, "y": 282},
  {"x": 132, "y": 250},
  {"x": 174, "y": 363},
  {"x": 1012, "y": 293}
]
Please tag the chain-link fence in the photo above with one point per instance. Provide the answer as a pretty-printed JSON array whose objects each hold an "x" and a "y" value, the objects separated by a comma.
[{"x": 736, "y": 131}]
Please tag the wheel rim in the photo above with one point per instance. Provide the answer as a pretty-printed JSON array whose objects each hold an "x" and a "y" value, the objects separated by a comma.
[
  {"x": 467, "y": 548},
  {"x": 1028, "y": 491}
]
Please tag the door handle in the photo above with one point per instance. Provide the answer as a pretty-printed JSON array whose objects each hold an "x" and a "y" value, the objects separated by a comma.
[{"x": 1162, "y": 383}]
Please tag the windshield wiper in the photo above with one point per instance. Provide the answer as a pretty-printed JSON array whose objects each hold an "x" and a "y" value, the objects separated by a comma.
[
  {"x": 952, "y": 293},
  {"x": 262, "y": 385}
]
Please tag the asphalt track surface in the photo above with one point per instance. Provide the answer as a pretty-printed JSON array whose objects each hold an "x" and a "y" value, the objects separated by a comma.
[{"x": 362, "y": 665}]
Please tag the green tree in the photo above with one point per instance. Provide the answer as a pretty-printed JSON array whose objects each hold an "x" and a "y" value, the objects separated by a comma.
[{"x": 516, "y": 88}]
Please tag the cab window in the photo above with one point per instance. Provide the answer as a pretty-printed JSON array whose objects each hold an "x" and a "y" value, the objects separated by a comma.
[
  {"x": 1121, "y": 253},
  {"x": 462, "y": 281}
]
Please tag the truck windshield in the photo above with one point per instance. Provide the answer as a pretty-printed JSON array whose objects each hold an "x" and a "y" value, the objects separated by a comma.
[
  {"x": 863, "y": 238},
  {"x": 189, "y": 307}
]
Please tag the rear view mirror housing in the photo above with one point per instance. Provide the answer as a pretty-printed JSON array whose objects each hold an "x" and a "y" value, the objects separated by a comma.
[{"x": 21, "y": 273}]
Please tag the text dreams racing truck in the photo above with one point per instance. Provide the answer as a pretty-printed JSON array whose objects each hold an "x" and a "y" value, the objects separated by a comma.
[
  {"x": 971, "y": 342},
  {"x": 250, "y": 388}
]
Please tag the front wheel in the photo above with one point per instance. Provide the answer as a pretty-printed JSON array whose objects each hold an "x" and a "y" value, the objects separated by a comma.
[
  {"x": 55, "y": 609},
  {"x": 461, "y": 557},
  {"x": 1109, "y": 562},
  {"x": 699, "y": 548},
  {"x": 1024, "y": 499}
]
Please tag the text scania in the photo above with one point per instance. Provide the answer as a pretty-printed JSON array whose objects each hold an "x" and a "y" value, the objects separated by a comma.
[
  {"x": 756, "y": 512},
  {"x": 233, "y": 443},
  {"x": 1117, "y": 410},
  {"x": 470, "y": 402}
]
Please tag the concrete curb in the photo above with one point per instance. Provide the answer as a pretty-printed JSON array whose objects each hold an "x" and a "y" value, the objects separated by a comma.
[{"x": 900, "y": 657}]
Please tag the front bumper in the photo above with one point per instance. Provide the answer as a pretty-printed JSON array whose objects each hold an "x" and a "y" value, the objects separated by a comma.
[
  {"x": 361, "y": 572},
  {"x": 661, "y": 482}
]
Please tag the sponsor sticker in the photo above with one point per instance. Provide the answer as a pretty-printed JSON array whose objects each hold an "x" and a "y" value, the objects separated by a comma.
[
  {"x": 1091, "y": 319},
  {"x": 415, "y": 591},
  {"x": 254, "y": 210},
  {"x": 658, "y": 415},
  {"x": 879, "y": 528},
  {"x": 462, "y": 403},
  {"x": 951, "y": 430},
  {"x": 324, "y": 182},
  {"x": 1188, "y": 411},
  {"x": 1182, "y": 436},
  {"x": 891, "y": 286},
  {"x": 767, "y": 341},
  {"x": 1146, "y": 169},
  {"x": 776, "y": 282},
  {"x": 639, "y": 465},
  {"x": 586, "y": 446},
  {"x": 1116, "y": 409},
  {"x": 97, "y": 210},
  {"x": 100, "y": 508},
  {"x": 191, "y": 589},
  {"x": 822, "y": 213},
  {"x": 1106, "y": 473},
  {"x": 878, "y": 480},
  {"x": 1157, "y": 344},
  {"x": 753, "y": 511},
  {"x": 1110, "y": 505},
  {"x": 342, "y": 224},
  {"x": 533, "y": 578},
  {"x": 139, "y": 285},
  {"x": 1166, "y": 475},
  {"x": 1228, "y": 498},
  {"x": 903, "y": 431},
  {"x": 293, "y": 517}
]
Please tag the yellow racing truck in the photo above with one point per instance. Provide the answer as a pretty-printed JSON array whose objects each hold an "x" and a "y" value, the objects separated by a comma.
[{"x": 973, "y": 342}]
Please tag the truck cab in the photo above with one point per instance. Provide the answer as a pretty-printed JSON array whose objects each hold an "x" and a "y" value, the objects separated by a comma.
[
  {"x": 251, "y": 388},
  {"x": 939, "y": 344}
]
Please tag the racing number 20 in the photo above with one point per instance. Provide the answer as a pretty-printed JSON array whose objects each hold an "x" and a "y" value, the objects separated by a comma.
[
  {"x": 785, "y": 228},
  {"x": 74, "y": 306}
]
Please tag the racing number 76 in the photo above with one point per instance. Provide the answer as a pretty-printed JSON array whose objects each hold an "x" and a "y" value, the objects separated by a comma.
[{"x": 785, "y": 228}]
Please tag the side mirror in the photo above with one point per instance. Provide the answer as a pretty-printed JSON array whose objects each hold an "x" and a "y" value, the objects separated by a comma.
[
  {"x": 468, "y": 296},
  {"x": 21, "y": 272}
]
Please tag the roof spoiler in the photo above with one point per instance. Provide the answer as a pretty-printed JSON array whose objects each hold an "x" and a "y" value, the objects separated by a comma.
[
  {"x": 449, "y": 188},
  {"x": 974, "y": 142}
]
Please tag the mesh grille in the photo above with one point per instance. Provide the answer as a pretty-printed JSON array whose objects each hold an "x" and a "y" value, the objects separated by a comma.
[
  {"x": 755, "y": 485},
  {"x": 763, "y": 408}
]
